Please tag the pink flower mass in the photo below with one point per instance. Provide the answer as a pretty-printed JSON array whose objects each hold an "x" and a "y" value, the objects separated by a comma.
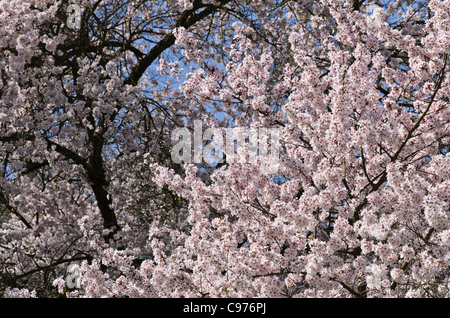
[{"x": 359, "y": 205}]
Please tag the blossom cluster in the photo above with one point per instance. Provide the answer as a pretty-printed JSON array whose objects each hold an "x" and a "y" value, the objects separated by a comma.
[{"x": 359, "y": 205}]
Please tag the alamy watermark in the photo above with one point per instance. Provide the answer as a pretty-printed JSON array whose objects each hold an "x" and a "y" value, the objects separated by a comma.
[
  {"x": 73, "y": 16},
  {"x": 73, "y": 278},
  {"x": 259, "y": 146}
]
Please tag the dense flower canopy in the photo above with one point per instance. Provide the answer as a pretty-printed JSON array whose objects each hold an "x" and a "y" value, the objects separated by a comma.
[{"x": 359, "y": 205}]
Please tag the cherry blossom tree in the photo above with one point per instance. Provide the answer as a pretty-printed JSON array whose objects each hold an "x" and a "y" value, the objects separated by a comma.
[{"x": 357, "y": 207}]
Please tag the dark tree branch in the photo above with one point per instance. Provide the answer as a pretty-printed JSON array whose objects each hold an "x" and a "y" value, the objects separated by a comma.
[{"x": 186, "y": 20}]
